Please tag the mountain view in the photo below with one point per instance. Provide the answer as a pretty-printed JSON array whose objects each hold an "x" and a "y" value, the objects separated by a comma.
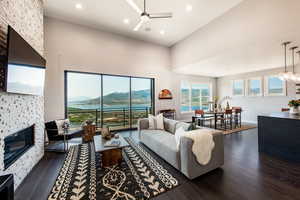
[{"x": 141, "y": 97}]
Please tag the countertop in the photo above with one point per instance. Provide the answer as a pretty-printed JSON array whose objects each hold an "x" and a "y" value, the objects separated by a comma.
[{"x": 283, "y": 115}]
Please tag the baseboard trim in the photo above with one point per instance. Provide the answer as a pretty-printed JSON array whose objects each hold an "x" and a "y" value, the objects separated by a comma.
[{"x": 250, "y": 122}]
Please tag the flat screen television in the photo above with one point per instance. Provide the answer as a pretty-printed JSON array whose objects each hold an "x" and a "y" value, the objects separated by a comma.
[{"x": 25, "y": 67}]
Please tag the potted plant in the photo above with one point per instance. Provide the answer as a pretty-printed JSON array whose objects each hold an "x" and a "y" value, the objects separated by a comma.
[{"x": 294, "y": 106}]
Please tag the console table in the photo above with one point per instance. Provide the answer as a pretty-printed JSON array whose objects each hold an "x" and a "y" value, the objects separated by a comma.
[{"x": 279, "y": 136}]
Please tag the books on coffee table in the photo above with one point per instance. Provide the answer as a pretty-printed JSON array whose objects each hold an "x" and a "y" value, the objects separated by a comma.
[{"x": 112, "y": 143}]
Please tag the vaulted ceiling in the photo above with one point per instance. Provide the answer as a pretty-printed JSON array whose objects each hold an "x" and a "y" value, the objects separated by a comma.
[{"x": 109, "y": 15}]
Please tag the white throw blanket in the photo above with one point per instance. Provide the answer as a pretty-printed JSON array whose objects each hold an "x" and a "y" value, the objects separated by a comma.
[{"x": 203, "y": 144}]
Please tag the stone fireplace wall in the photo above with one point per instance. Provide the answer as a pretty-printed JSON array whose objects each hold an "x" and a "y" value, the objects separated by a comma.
[{"x": 21, "y": 111}]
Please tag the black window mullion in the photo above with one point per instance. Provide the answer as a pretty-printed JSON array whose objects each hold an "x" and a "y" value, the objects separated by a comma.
[
  {"x": 101, "y": 98},
  {"x": 130, "y": 103}
]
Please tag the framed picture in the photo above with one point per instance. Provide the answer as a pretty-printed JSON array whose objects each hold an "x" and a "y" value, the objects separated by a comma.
[
  {"x": 238, "y": 88},
  {"x": 275, "y": 86},
  {"x": 165, "y": 94}
]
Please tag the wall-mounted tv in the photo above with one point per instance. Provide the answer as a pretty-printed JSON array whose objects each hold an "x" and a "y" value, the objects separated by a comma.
[{"x": 25, "y": 67}]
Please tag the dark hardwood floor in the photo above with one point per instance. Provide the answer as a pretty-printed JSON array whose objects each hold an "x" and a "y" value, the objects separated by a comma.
[{"x": 246, "y": 174}]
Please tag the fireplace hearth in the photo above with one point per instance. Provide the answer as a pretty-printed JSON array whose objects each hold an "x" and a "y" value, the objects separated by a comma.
[{"x": 17, "y": 144}]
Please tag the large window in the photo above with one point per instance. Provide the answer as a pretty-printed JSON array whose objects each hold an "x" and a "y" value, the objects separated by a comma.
[
  {"x": 274, "y": 86},
  {"x": 113, "y": 101},
  {"x": 255, "y": 87},
  {"x": 195, "y": 96},
  {"x": 238, "y": 88}
]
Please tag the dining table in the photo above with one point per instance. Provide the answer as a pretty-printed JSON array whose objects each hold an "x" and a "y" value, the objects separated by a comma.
[{"x": 215, "y": 114}]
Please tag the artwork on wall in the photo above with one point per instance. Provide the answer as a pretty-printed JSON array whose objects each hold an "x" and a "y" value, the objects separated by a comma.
[{"x": 165, "y": 94}]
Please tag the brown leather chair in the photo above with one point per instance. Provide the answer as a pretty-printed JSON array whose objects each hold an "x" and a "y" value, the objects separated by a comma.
[
  {"x": 226, "y": 119},
  {"x": 237, "y": 116}
]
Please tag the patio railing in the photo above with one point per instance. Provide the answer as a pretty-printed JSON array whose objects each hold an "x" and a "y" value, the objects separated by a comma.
[{"x": 115, "y": 118}]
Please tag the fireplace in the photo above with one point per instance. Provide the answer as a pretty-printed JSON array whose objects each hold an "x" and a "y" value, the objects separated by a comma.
[{"x": 17, "y": 144}]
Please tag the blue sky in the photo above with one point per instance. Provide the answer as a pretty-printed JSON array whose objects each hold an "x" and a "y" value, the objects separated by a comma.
[
  {"x": 275, "y": 83},
  {"x": 89, "y": 85}
]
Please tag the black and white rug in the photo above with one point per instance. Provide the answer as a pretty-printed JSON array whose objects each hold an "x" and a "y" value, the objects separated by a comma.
[{"x": 138, "y": 177}]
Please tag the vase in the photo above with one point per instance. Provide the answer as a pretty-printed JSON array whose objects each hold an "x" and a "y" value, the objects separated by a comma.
[{"x": 294, "y": 110}]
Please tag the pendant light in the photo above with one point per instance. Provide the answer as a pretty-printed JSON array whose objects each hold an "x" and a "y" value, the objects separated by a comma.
[
  {"x": 285, "y": 75},
  {"x": 293, "y": 76}
]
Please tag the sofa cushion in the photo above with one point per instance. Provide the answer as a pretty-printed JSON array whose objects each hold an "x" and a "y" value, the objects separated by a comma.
[
  {"x": 170, "y": 125},
  {"x": 156, "y": 122},
  {"x": 163, "y": 143},
  {"x": 184, "y": 125}
]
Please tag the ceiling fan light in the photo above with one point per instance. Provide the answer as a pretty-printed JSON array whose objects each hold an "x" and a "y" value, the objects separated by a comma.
[
  {"x": 145, "y": 18},
  {"x": 188, "y": 7}
]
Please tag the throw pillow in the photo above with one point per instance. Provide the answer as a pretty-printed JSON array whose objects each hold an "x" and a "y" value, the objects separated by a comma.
[
  {"x": 160, "y": 122},
  {"x": 184, "y": 125},
  {"x": 156, "y": 122},
  {"x": 192, "y": 126},
  {"x": 151, "y": 119},
  {"x": 59, "y": 124},
  {"x": 180, "y": 132}
]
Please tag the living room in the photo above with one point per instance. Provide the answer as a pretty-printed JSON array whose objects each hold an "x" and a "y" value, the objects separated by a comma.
[{"x": 137, "y": 99}]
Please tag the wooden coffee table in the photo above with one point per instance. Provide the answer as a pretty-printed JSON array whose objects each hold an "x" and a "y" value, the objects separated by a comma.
[{"x": 110, "y": 155}]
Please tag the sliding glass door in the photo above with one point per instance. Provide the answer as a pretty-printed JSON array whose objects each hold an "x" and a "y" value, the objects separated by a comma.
[
  {"x": 108, "y": 100},
  {"x": 116, "y": 101},
  {"x": 141, "y": 99},
  {"x": 83, "y": 97}
]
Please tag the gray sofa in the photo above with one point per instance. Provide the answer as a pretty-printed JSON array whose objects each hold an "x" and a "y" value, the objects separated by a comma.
[{"x": 163, "y": 143}]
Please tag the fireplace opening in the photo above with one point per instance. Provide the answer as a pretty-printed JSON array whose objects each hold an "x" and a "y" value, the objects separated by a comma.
[{"x": 17, "y": 144}]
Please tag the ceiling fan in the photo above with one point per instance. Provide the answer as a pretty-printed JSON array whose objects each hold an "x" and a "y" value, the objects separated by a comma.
[{"x": 145, "y": 16}]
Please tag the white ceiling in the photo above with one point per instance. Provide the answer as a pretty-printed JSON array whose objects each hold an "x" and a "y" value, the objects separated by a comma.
[
  {"x": 246, "y": 39},
  {"x": 108, "y": 15}
]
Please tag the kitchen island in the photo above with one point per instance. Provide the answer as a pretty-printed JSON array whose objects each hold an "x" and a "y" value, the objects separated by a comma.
[{"x": 279, "y": 135}]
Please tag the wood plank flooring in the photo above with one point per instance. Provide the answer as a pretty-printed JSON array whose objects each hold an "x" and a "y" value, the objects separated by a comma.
[{"x": 246, "y": 174}]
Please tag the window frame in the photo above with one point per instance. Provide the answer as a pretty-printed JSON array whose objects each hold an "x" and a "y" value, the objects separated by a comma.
[
  {"x": 266, "y": 89},
  {"x": 232, "y": 88},
  {"x": 153, "y": 102},
  {"x": 190, "y": 94},
  {"x": 248, "y": 86}
]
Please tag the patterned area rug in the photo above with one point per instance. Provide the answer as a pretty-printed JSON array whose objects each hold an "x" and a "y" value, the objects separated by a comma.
[
  {"x": 243, "y": 128},
  {"x": 138, "y": 177}
]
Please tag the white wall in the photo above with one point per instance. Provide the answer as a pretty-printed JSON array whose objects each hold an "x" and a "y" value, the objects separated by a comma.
[
  {"x": 254, "y": 106},
  {"x": 74, "y": 47},
  {"x": 247, "y": 38}
]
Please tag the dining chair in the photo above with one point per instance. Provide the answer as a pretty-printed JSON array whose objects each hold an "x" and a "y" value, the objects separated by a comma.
[
  {"x": 202, "y": 118},
  {"x": 237, "y": 116},
  {"x": 226, "y": 119}
]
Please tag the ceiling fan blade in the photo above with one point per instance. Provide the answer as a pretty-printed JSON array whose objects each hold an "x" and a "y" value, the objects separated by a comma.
[
  {"x": 134, "y": 6},
  {"x": 161, "y": 15},
  {"x": 139, "y": 25}
]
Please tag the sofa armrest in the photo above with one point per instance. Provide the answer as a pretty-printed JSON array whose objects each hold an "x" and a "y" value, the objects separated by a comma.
[
  {"x": 142, "y": 124},
  {"x": 189, "y": 164}
]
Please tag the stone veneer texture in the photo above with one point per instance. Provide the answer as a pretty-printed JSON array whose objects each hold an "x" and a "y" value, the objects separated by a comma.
[{"x": 21, "y": 111}]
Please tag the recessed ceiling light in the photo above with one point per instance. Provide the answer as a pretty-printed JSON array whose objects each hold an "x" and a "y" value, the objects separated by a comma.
[
  {"x": 188, "y": 7},
  {"x": 126, "y": 21},
  {"x": 162, "y": 32},
  {"x": 78, "y": 6}
]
